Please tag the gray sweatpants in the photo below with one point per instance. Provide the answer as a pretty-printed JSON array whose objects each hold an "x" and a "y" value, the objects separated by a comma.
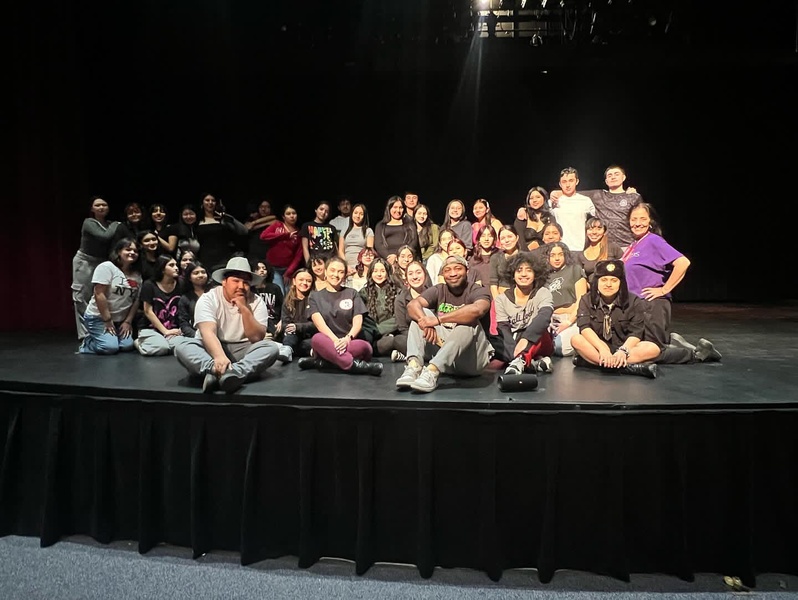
[
  {"x": 463, "y": 350},
  {"x": 248, "y": 359}
]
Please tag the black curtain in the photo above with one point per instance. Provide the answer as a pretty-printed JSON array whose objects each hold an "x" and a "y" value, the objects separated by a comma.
[
  {"x": 679, "y": 493},
  {"x": 156, "y": 103}
]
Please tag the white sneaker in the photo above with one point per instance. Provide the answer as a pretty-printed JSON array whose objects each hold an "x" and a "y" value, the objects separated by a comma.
[
  {"x": 544, "y": 365},
  {"x": 285, "y": 354},
  {"x": 397, "y": 356},
  {"x": 426, "y": 382},
  {"x": 408, "y": 377},
  {"x": 516, "y": 366}
]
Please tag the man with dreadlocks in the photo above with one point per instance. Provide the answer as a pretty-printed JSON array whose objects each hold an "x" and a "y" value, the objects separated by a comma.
[{"x": 611, "y": 322}]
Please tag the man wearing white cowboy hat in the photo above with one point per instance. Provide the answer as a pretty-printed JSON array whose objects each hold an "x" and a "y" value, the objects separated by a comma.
[{"x": 230, "y": 347}]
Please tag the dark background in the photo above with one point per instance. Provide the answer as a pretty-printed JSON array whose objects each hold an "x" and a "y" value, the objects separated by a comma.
[{"x": 163, "y": 102}]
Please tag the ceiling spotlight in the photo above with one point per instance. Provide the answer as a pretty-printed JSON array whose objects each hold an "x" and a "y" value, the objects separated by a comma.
[
  {"x": 523, "y": 3},
  {"x": 542, "y": 3},
  {"x": 484, "y": 3}
]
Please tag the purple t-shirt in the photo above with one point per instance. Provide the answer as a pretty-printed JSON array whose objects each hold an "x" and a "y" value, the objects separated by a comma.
[{"x": 649, "y": 263}]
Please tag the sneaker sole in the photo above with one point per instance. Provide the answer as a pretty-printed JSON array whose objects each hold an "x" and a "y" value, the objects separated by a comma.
[{"x": 423, "y": 390}]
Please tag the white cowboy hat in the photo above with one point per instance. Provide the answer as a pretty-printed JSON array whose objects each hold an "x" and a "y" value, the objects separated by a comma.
[{"x": 237, "y": 264}]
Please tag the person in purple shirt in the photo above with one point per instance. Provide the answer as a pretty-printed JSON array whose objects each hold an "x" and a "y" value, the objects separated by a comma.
[{"x": 653, "y": 270}]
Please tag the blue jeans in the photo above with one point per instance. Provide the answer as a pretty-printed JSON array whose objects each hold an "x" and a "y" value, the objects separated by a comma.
[
  {"x": 99, "y": 341},
  {"x": 278, "y": 278}
]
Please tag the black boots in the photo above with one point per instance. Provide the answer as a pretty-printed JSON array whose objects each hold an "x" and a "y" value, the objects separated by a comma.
[
  {"x": 705, "y": 351},
  {"x": 361, "y": 367},
  {"x": 648, "y": 370},
  {"x": 311, "y": 362}
]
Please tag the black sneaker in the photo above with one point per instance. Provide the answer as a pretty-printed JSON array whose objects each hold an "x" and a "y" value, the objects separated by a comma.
[
  {"x": 210, "y": 383},
  {"x": 231, "y": 381}
]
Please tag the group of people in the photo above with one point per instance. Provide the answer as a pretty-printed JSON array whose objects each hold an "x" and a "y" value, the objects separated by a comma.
[{"x": 583, "y": 274}]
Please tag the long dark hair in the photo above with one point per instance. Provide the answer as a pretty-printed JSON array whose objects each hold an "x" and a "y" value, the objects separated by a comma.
[
  {"x": 447, "y": 221},
  {"x": 160, "y": 265},
  {"x": 408, "y": 228},
  {"x": 603, "y": 242},
  {"x": 163, "y": 209},
  {"x": 372, "y": 289},
  {"x": 425, "y": 235},
  {"x": 569, "y": 258},
  {"x": 141, "y": 235},
  {"x": 291, "y": 299},
  {"x": 542, "y": 214},
  {"x": 188, "y": 287},
  {"x": 427, "y": 279},
  {"x": 477, "y": 256},
  {"x": 364, "y": 225},
  {"x": 654, "y": 224},
  {"x": 183, "y": 229},
  {"x": 512, "y": 230}
]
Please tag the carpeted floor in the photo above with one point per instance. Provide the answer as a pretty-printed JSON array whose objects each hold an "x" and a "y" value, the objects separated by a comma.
[{"x": 80, "y": 568}]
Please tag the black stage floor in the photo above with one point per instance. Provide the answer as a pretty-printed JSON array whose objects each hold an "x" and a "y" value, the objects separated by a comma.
[
  {"x": 759, "y": 345},
  {"x": 693, "y": 472}
]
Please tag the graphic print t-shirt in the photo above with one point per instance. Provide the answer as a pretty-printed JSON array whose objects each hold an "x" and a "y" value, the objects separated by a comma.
[
  {"x": 322, "y": 239},
  {"x": 164, "y": 305},
  {"x": 122, "y": 290},
  {"x": 442, "y": 300}
]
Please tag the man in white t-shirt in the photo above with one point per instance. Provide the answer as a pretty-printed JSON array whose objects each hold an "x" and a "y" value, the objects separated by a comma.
[
  {"x": 572, "y": 210},
  {"x": 341, "y": 222},
  {"x": 230, "y": 347},
  {"x": 612, "y": 205}
]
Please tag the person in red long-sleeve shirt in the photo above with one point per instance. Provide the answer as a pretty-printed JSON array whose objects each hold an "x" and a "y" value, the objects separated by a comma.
[{"x": 284, "y": 251}]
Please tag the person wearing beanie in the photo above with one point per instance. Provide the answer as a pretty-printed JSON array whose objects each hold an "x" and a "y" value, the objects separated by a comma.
[
  {"x": 611, "y": 324},
  {"x": 448, "y": 328}
]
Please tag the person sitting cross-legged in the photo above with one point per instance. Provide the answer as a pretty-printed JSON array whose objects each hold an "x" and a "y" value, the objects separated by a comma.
[
  {"x": 611, "y": 323},
  {"x": 523, "y": 314},
  {"x": 449, "y": 324},
  {"x": 337, "y": 312},
  {"x": 230, "y": 347}
]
